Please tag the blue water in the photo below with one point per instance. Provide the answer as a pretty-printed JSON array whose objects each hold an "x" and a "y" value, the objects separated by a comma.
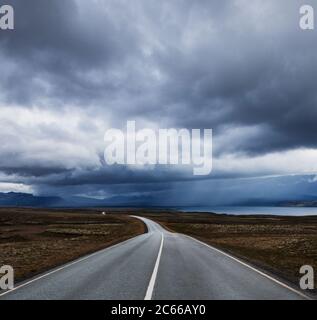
[{"x": 279, "y": 211}]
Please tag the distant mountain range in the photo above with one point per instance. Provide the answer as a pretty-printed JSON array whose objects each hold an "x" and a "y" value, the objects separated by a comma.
[
  {"x": 28, "y": 200},
  {"x": 14, "y": 199},
  {"x": 303, "y": 203}
]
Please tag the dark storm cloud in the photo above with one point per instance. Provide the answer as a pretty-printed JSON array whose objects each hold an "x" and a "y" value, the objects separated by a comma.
[
  {"x": 243, "y": 68},
  {"x": 60, "y": 177},
  {"x": 37, "y": 171},
  {"x": 54, "y": 48},
  {"x": 248, "y": 76}
]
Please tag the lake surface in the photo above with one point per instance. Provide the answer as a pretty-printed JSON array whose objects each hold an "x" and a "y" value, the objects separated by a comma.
[{"x": 280, "y": 211}]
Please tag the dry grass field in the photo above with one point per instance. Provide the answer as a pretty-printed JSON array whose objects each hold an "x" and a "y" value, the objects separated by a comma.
[
  {"x": 280, "y": 245},
  {"x": 34, "y": 240}
]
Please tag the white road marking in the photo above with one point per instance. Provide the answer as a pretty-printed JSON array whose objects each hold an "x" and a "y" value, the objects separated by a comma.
[
  {"x": 252, "y": 268},
  {"x": 149, "y": 291},
  {"x": 66, "y": 266}
]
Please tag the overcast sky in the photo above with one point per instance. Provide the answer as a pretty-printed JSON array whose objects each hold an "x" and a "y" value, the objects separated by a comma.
[{"x": 72, "y": 69}]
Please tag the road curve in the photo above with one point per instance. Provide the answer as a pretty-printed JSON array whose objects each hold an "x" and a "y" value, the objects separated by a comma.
[{"x": 156, "y": 265}]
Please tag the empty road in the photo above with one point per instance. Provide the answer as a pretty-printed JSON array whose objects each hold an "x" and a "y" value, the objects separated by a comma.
[{"x": 155, "y": 265}]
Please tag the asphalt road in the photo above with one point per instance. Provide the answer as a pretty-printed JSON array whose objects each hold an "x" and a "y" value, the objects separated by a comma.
[{"x": 156, "y": 265}]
